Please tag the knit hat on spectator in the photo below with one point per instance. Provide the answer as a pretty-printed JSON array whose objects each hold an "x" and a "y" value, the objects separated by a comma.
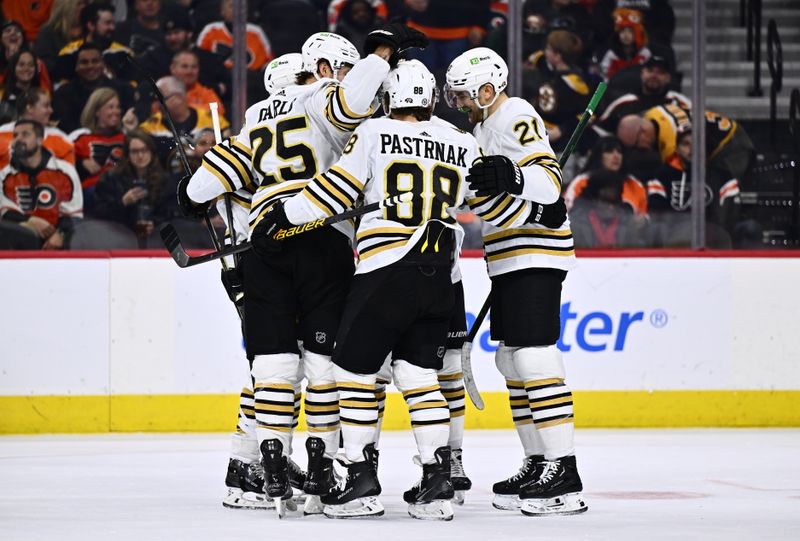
[
  {"x": 177, "y": 19},
  {"x": 633, "y": 19},
  {"x": 661, "y": 55}
]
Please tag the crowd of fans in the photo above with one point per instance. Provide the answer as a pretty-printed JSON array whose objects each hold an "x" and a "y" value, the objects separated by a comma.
[{"x": 73, "y": 106}]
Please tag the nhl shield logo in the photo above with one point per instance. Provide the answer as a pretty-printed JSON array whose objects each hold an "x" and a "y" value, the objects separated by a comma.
[
  {"x": 321, "y": 337},
  {"x": 440, "y": 352}
]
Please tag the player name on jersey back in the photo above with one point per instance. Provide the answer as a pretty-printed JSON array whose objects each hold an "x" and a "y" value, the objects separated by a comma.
[{"x": 423, "y": 148}]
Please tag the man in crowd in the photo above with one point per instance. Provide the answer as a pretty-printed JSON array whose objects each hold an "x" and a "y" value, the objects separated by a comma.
[{"x": 40, "y": 195}]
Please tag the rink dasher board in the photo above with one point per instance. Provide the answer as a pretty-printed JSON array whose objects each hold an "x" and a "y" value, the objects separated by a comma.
[{"x": 96, "y": 344}]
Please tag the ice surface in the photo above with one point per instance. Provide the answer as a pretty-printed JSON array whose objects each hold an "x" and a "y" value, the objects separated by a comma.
[{"x": 639, "y": 484}]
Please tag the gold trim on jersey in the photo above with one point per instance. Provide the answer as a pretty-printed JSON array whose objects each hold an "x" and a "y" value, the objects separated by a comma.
[
  {"x": 511, "y": 219},
  {"x": 346, "y": 109},
  {"x": 498, "y": 208},
  {"x": 375, "y": 250},
  {"x": 530, "y": 251},
  {"x": 555, "y": 233},
  {"x": 346, "y": 176},
  {"x": 400, "y": 231},
  {"x": 547, "y": 162},
  {"x": 725, "y": 141}
]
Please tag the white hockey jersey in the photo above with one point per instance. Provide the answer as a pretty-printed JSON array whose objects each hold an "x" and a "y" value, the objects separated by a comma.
[
  {"x": 386, "y": 158},
  {"x": 516, "y": 130},
  {"x": 288, "y": 138}
]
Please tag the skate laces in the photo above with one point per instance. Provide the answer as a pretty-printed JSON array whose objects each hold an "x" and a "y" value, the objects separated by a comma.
[
  {"x": 456, "y": 468},
  {"x": 550, "y": 469},
  {"x": 524, "y": 470},
  {"x": 256, "y": 470}
]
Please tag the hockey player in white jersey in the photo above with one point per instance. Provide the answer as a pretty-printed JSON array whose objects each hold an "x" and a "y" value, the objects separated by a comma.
[
  {"x": 527, "y": 266},
  {"x": 299, "y": 132},
  {"x": 244, "y": 480},
  {"x": 401, "y": 299}
]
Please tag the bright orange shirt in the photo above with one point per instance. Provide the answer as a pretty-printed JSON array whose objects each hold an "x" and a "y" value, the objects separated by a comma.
[
  {"x": 216, "y": 38},
  {"x": 30, "y": 15},
  {"x": 633, "y": 193},
  {"x": 200, "y": 96}
]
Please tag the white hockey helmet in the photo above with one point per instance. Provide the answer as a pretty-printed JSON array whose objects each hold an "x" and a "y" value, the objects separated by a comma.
[
  {"x": 410, "y": 84},
  {"x": 334, "y": 48},
  {"x": 473, "y": 69},
  {"x": 282, "y": 72}
]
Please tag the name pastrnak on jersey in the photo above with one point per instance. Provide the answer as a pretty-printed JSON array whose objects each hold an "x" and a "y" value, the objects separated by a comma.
[
  {"x": 386, "y": 158},
  {"x": 516, "y": 130},
  {"x": 288, "y": 138}
]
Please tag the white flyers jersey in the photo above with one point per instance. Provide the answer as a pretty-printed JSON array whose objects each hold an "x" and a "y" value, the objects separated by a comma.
[
  {"x": 386, "y": 158},
  {"x": 288, "y": 138},
  {"x": 516, "y": 130}
]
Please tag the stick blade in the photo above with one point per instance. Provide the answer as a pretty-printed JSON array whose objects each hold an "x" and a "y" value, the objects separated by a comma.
[
  {"x": 169, "y": 235},
  {"x": 469, "y": 377}
]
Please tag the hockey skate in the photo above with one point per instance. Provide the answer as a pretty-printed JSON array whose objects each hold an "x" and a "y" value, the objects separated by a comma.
[
  {"x": 297, "y": 478},
  {"x": 506, "y": 493},
  {"x": 276, "y": 476},
  {"x": 557, "y": 492},
  {"x": 358, "y": 498},
  {"x": 245, "y": 486},
  {"x": 320, "y": 478},
  {"x": 461, "y": 483},
  {"x": 430, "y": 498}
]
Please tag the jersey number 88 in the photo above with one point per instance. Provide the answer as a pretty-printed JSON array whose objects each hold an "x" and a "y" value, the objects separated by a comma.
[{"x": 434, "y": 191}]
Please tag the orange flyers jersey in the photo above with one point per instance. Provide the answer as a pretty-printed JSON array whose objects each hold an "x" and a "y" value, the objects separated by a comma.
[
  {"x": 200, "y": 96},
  {"x": 633, "y": 193},
  {"x": 55, "y": 140},
  {"x": 53, "y": 193},
  {"x": 216, "y": 38},
  {"x": 105, "y": 150}
]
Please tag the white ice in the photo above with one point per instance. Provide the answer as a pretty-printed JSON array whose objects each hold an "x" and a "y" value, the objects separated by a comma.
[{"x": 639, "y": 484}]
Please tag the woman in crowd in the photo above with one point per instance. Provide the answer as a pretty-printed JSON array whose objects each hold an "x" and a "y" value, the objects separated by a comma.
[
  {"x": 137, "y": 192},
  {"x": 98, "y": 144},
  {"x": 21, "y": 74},
  {"x": 608, "y": 207},
  {"x": 34, "y": 104},
  {"x": 63, "y": 27}
]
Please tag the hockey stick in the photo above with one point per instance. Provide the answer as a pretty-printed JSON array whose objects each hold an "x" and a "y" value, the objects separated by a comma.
[
  {"x": 466, "y": 349},
  {"x": 173, "y": 243}
]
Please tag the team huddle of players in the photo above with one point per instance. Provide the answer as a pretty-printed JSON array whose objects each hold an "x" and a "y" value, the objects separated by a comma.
[{"x": 313, "y": 150}]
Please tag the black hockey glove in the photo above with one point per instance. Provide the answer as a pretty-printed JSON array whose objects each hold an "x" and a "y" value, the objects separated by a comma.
[
  {"x": 232, "y": 281},
  {"x": 262, "y": 238},
  {"x": 493, "y": 175},
  {"x": 189, "y": 208},
  {"x": 550, "y": 216},
  {"x": 397, "y": 36}
]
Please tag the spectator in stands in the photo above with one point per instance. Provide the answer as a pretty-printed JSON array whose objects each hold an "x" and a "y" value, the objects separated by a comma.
[
  {"x": 98, "y": 145},
  {"x": 31, "y": 15},
  {"x": 143, "y": 29},
  {"x": 728, "y": 147},
  {"x": 565, "y": 14},
  {"x": 189, "y": 122},
  {"x": 34, "y": 104},
  {"x": 670, "y": 195},
  {"x": 70, "y": 98},
  {"x": 606, "y": 159},
  {"x": 63, "y": 27},
  {"x": 452, "y": 26},
  {"x": 98, "y": 24},
  {"x": 137, "y": 192},
  {"x": 653, "y": 89},
  {"x": 356, "y": 19},
  {"x": 178, "y": 37},
  {"x": 216, "y": 37},
  {"x": 40, "y": 195},
  {"x": 21, "y": 74},
  {"x": 12, "y": 41},
  {"x": 186, "y": 68},
  {"x": 534, "y": 35},
  {"x": 628, "y": 43},
  {"x": 563, "y": 97},
  {"x": 600, "y": 219},
  {"x": 337, "y": 7}
]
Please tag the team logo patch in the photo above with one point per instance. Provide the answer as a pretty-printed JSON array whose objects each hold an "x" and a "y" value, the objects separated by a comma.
[
  {"x": 45, "y": 196},
  {"x": 473, "y": 61},
  {"x": 440, "y": 352},
  {"x": 321, "y": 337}
]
